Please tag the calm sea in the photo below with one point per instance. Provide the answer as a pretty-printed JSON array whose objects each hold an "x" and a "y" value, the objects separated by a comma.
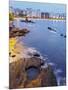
[{"x": 49, "y": 43}]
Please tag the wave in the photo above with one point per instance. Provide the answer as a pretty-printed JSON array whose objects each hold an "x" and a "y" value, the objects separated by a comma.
[
  {"x": 51, "y": 64},
  {"x": 58, "y": 71},
  {"x": 61, "y": 81},
  {"x": 30, "y": 52}
]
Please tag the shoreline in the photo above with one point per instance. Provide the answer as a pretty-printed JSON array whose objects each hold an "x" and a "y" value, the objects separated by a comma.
[
  {"x": 22, "y": 51},
  {"x": 22, "y": 55},
  {"x": 20, "y": 18},
  {"x": 19, "y": 52}
]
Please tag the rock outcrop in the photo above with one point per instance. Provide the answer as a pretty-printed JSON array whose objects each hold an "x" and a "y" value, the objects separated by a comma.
[
  {"x": 17, "y": 32},
  {"x": 19, "y": 78}
]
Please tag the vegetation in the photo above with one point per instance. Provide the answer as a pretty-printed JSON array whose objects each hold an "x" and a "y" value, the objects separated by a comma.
[{"x": 11, "y": 16}]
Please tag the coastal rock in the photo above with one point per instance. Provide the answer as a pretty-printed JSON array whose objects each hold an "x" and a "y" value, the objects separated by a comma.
[
  {"x": 34, "y": 61},
  {"x": 27, "y": 68},
  {"x": 19, "y": 76},
  {"x": 18, "y": 32}
]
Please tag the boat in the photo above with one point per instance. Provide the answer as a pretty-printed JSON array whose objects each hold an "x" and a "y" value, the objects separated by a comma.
[
  {"x": 27, "y": 21},
  {"x": 51, "y": 29},
  {"x": 61, "y": 34},
  {"x": 64, "y": 36}
]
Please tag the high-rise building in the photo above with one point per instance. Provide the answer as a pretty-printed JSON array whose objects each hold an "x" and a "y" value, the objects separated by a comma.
[
  {"x": 44, "y": 15},
  {"x": 29, "y": 12},
  {"x": 38, "y": 13}
]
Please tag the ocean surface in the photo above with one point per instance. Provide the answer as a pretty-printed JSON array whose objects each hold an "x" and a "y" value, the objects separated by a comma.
[{"x": 49, "y": 43}]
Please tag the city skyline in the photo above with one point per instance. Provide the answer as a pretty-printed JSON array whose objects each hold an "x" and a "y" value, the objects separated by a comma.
[{"x": 48, "y": 7}]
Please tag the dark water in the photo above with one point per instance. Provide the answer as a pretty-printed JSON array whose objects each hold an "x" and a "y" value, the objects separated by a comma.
[
  {"x": 32, "y": 73},
  {"x": 48, "y": 42}
]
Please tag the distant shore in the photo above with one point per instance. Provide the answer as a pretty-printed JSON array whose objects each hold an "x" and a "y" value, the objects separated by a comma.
[{"x": 20, "y": 18}]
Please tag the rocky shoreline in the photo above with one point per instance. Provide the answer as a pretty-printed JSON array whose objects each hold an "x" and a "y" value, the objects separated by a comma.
[
  {"x": 22, "y": 59},
  {"x": 19, "y": 77},
  {"x": 17, "y": 32}
]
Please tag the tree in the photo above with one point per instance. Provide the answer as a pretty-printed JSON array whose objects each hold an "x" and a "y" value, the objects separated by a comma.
[{"x": 11, "y": 16}]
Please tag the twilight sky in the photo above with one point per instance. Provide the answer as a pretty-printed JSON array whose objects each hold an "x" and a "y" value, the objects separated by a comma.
[{"x": 47, "y": 7}]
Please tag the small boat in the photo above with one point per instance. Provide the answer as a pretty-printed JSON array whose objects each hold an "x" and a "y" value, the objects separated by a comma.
[
  {"x": 64, "y": 36},
  {"x": 27, "y": 21},
  {"x": 51, "y": 29},
  {"x": 61, "y": 34}
]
